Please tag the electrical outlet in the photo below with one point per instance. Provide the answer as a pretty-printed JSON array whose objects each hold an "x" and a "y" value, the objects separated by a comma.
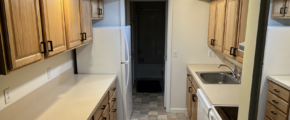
[
  {"x": 7, "y": 96},
  {"x": 175, "y": 53},
  {"x": 211, "y": 54},
  {"x": 48, "y": 73}
]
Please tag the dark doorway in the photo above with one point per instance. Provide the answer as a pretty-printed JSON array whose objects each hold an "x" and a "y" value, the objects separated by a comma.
[{"x": 148, "y": 21}]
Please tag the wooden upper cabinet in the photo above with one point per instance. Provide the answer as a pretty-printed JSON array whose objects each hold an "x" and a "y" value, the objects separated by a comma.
[
  {"x": 23, "y": 31},
  {"x": 97, "y": 9},
  {"x": 53, "y": 26},
  {"x": 220, "y": 23},
  {"x": 278, "y": 8},
  {"x": 211, "y": 24},
  {"x": 86, "y": 21},
  {"x": 287, "y": 8},
  {"x": 72, "y": 19},
  {"x": 231, "y": 27}
]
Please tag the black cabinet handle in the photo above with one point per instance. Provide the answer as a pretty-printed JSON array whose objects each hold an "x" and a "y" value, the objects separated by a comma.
[
  {"x": 285, "y": 10},
  {"x": 212, "y": 42},
  {"x": 273, "y": 113},
  {"x": 104, "y": 118},
  {"x": 84, "y": 36},
  {"x": 51, "y": 45},
  {"x": 115, "y": 110},
  {"x": 188, "y": 75},
  {"x": 114, "y": 99},
  {"x": 114, "y": 89},
  {"x": 44, "y": 47},
  {"x": 104, "y": 106},
  {"x": 275, "y": 102},
  {"x": 100, "y": 11},
  {"x": 189, "y": 89},
  {"x": 231, "y": 51},
  {"x": 234, "y": 53},
  {"x": 281, "y": 10},
  {"x": 276, "y": 90},
  {"x": 193, "y": 96}
]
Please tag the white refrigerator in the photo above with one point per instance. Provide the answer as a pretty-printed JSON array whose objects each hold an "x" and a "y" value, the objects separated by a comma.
[
  {"x": 110, "y": 53},
  {"x": 276, "y": 61}
]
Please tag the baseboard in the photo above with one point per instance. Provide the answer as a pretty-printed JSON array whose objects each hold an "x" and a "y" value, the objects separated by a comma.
[{"x": 178, "y": 110}]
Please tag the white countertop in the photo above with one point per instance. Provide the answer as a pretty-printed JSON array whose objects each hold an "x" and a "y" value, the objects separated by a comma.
[
  {"x": 218, "y": 94},
  {"x": 77, "y": 98},
  {"x": 283, "y": 81}
]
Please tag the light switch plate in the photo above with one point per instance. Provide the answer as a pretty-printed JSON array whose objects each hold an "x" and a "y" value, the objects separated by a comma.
[
  {"x": 211, "y": 54},
  {"x": 7, "y": 96},
  {"x": 175, "y": 53}
]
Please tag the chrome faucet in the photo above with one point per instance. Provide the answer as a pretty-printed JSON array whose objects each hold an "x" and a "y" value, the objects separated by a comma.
[{"x": 235, "y": 72}]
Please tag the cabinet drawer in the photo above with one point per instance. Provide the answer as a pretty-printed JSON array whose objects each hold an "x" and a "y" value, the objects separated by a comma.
[
  {"x": 112, "y": 90},
  {"x": 113, "y": 99},
  {"x": 273, "y": 113},
  {"x": 113, "y": 113},
  {"x": 103, "y": 106},
  {"x": 279, "y": 91},
  {"x": 267, "y": 118},
  {"x": 277, "y": 102},
  {"x": 194, "y": 83},
  {"x": 106, "y": 115}
]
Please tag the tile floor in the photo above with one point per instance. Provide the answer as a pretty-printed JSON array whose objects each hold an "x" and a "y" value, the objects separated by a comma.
[{"x": 150, "y": 106}]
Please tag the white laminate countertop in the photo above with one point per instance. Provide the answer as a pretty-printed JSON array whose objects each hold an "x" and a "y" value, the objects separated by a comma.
[
  {"x": 77, "y": 98},
  {"x": 218, "y": 94},
  {"x": 283, "y": 81}
]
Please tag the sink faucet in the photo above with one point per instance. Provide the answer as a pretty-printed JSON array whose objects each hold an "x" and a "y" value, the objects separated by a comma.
[{"x": 234, "y": 72}]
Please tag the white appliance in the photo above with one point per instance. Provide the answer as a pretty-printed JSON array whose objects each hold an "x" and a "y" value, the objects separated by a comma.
[
  {"x": 204, "y": 110},
  {"x": 110, "y": 53},
  {"x": 276, "y": 61}
]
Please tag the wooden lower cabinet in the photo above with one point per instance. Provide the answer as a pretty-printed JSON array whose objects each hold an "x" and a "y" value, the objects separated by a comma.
[
  {"x": 277, "y": 106},
  {"x": 191, "y": 97},
  {"x": 107, "y": 110}
]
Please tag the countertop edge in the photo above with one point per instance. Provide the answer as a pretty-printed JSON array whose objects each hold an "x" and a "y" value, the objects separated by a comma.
[{"x": 270, "y": 78}]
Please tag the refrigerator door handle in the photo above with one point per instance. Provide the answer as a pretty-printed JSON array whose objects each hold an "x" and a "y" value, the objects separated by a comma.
[{"x": 125, "y": 62}]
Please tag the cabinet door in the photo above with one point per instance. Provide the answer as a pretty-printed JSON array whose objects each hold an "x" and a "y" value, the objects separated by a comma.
[
  {"x": 212, "y": 21},
  {"x": 220, "y": 25},
  {"x": 231, "y": 27},
  {"x": 278, "y": 8},
  {"x": 72, "y": 19},
  {"x": 86, "y": 21},
  {"x": 101, "y": 8},
  {"x": 53, "y": 26},
  {"x": 194, "y": 106},
  {"x": 95, "y": 8},
  {"x": 242, "y": 28},
  {"x": 188, "y": 97},
  {"x": 287, "y": 8},
  {"x": 23, "y": 31}
]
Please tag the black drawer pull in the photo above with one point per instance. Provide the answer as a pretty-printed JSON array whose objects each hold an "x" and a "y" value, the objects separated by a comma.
[
  {"x": 114, "y": 99},
  {"x": 273, "y": 113},
  {"x": 104, "y": 118},
  {"x": 189, "y": 89},
  {"x": 51, "y": 45},
  {"x": 276, "y": 90},
  {"x": 275, "y": 102},
  {"x": 114, "y": 89},
  {"x": 84, "y": 36},
  {"x": 44, "y": 47},
  {"x": 115, "y": 110},
  {"x": 188, "y": 75},
  {"x": 193, "y": 96},
  {"x": 104, "y": 106}
]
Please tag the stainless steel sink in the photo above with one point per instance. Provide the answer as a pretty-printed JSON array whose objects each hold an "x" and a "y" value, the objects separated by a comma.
[{"x": 217, "y": 78}]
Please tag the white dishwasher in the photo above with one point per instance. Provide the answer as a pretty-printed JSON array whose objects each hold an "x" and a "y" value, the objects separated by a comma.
[{"x": 204, "y": 106}]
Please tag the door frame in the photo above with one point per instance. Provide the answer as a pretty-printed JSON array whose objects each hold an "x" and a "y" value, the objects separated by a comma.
[{"x": 168, "y": 42}]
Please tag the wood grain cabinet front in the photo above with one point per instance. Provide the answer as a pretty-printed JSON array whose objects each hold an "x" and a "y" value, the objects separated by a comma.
[
  {"x": 53, "y": 26},
  {"x": 73, "y": 23},
  {"x": 86, "y": 21},
  {"x": 191, "y": 97},
  {"x": 22, "y": 32},
  {"x": 97, "y": 9},
  {"x": 188, "y": 97}
]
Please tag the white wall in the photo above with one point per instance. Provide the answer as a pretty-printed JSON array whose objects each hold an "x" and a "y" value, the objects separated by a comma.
[
  {"x": 26, "y": 80},
  {"x": 189, "y": 37},
  {"x": 112, "y": 14}
]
